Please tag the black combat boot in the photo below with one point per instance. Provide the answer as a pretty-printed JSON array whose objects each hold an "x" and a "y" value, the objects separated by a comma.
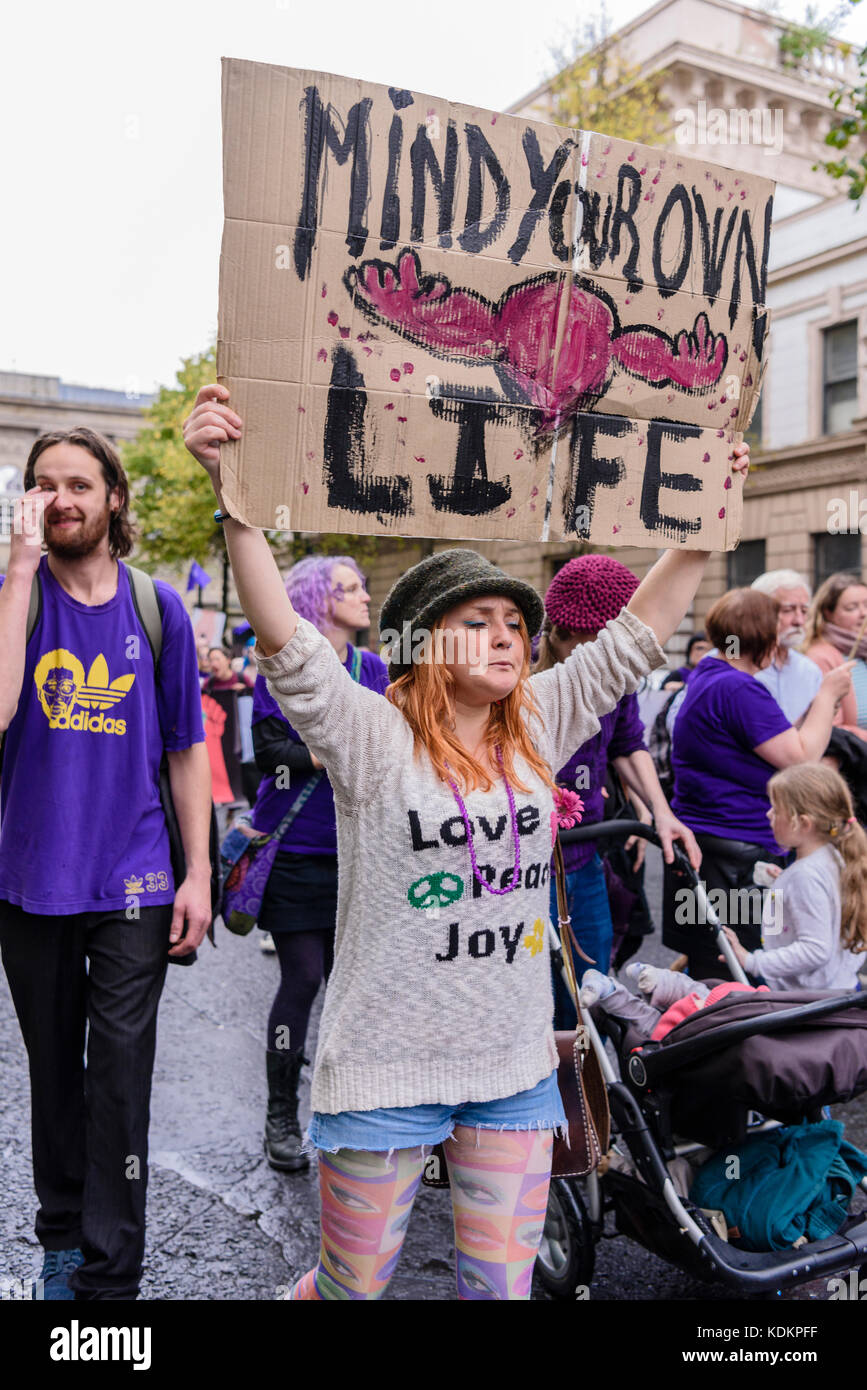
[{"x": 282, "y": 1131}]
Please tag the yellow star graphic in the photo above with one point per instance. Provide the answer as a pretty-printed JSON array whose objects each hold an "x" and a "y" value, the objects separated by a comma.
[{"x": 536, "y": 940}]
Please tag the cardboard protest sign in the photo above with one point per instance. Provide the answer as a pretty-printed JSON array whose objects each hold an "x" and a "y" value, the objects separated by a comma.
[{"x": 439, "y": 321}]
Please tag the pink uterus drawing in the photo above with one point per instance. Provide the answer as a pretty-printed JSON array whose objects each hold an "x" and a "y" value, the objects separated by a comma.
[{"x": 517, "y": 335}]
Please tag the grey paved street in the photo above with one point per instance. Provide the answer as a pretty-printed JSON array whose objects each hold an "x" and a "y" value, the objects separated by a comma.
[{"x": 221, "y": 1223}]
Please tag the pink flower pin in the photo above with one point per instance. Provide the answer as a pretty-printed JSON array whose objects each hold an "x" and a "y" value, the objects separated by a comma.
[{"x": 569, "y": 807}]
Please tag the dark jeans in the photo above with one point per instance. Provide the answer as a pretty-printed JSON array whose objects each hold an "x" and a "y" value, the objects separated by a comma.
[
  {"x": 587, "y": 897},
  {"x": 89, "y": 1123},
  {"x": 727, "y": 865}
]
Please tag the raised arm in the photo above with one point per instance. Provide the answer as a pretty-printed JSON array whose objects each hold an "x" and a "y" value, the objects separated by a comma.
[
  {"x": 345, "y": 725},
  {"x": 261, "y": 592},
  {"x": 594, "y": 677},
  {"x": 666, "y": 591},
  {"x": 24, "y": 555},
  {"x": 598, "y": 674}
]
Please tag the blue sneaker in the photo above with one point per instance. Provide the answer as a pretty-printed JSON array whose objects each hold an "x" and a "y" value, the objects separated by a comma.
[{"x": 54, "y": 1275}]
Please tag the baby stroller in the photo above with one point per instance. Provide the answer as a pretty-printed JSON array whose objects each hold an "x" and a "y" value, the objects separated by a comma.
[{"x": 741, "y": 1066}]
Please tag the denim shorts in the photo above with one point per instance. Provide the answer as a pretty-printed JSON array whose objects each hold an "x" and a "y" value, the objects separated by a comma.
[{"x": 408, "y": 1126}]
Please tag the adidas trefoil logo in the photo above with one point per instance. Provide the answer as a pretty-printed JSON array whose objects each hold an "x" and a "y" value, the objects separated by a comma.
[
  {"x": 66, "y": 696},
  {"x": 97, "y": 693}
]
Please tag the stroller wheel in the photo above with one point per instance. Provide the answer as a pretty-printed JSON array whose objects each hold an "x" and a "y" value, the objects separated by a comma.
[{"x": 567, "y": 1252}]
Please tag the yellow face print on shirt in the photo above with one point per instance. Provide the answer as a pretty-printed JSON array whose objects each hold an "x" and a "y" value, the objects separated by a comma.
[{"x": 67, "y": 697}]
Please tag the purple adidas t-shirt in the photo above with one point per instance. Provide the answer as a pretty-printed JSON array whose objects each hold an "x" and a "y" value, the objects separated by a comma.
[
  {"x": 720, "y": 783},
  {"x": 621, "y": 732},
  {"x": 314, "y": 829},
  {"x": 82, "y": 826}
]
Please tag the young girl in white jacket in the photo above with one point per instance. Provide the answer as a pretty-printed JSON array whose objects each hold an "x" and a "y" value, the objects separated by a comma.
[{"x": 814, "y": 924}]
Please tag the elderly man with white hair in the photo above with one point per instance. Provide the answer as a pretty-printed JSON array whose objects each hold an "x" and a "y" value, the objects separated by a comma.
[{"x": 792, "y": 678}]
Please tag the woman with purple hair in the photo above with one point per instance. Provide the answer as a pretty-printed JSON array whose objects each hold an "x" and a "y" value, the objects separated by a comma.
[{"x": 300, "y": 904}]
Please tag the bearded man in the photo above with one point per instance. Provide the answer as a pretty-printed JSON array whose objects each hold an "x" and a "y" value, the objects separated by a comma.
[
  {"x": 89, "y": 909},
  {"x": 791, "y": 677}
]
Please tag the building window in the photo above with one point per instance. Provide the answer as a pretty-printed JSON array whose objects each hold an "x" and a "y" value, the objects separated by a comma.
[
  {"x": 746, "y": 564},
  {"x": 833, "y": 554},
  {"x": 840, "y": 377}
]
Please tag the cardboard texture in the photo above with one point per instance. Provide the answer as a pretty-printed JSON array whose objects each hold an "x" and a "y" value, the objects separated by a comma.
[{"x": 441, "y": 321}]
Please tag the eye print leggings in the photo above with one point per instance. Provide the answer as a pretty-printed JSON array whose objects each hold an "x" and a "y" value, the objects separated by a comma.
[{"x": 499, "y": 1186}]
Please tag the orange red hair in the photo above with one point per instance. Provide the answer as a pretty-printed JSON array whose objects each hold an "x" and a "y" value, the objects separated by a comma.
[{"x": 425, "y": 698}]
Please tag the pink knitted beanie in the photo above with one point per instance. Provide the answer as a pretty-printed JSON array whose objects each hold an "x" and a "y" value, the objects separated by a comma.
[{"x": 587, "y": 591}]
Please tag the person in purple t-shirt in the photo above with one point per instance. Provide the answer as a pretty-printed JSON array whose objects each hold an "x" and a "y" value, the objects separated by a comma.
[
  {"x": 583, "y": 596},
  {"x": 299, "y": 908},
  {"x": 89, "y": 910},
  {"x": 729, "y": 738}
]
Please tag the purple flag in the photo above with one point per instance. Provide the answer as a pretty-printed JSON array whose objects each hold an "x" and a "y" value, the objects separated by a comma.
[{"x": 197, "y": 577}]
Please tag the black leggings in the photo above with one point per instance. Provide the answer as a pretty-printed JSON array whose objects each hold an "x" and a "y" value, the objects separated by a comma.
[{"x": 306, "y": 958}]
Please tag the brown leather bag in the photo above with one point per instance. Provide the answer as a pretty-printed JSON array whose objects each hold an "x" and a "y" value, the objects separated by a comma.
[{"x": 579, "y": 1077}]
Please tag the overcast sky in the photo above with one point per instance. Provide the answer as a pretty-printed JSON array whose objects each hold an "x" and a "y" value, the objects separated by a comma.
[{"x": 110, "y": 138}]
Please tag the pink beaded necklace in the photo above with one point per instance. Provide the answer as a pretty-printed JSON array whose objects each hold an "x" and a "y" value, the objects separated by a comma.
[{"x": 516, "y": 872}]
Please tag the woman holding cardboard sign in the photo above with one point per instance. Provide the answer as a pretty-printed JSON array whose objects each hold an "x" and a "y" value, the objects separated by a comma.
[{"x": 436, "y": 1021}]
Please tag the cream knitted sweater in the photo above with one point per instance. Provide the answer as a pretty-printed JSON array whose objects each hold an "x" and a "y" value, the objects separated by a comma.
[{"x": 440, "y": 992}]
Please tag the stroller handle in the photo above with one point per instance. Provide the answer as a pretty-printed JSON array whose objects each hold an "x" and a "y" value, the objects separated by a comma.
[{"x": 622, "y": 829}]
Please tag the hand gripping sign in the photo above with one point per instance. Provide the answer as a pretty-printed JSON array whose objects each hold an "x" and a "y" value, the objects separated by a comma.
[{"x": 440, "y": 321}]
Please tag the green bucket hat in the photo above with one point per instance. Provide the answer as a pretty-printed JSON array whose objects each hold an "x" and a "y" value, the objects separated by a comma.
[{"x": 438, "y": 583}]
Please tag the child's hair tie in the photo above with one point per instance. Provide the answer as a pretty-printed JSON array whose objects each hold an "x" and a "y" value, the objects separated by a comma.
[{"x": 851, "y": 820}]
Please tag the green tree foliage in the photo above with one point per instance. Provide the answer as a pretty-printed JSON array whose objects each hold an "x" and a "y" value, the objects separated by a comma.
[
  {"x": 595, "y": 88},
  {"x": 172, "y": 498},
  {"x": 848, "y": 132},
  {"x": 799, "y": 41}
]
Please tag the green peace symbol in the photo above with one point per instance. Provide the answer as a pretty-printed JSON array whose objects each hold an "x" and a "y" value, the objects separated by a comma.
[{"x": 435, "y": 890}]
